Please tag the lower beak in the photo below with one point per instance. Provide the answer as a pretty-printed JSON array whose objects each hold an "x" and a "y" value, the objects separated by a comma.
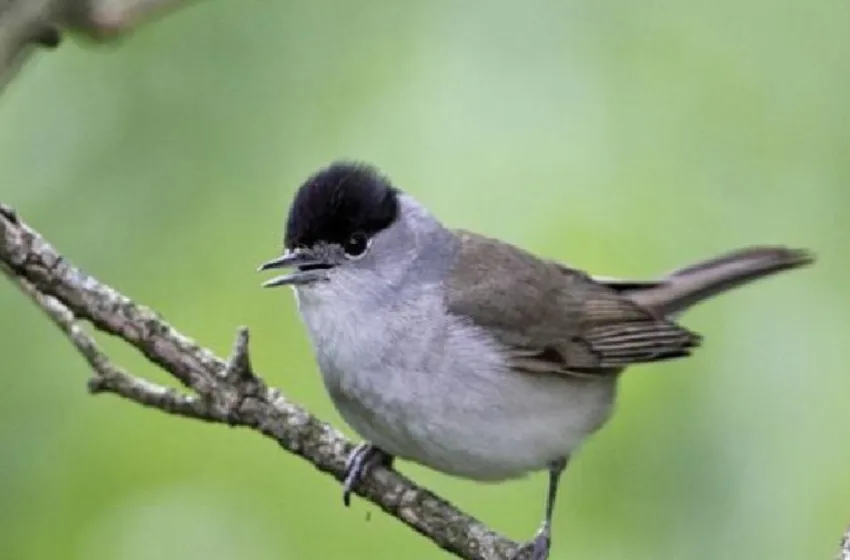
[{"x": 300, "y": 259}]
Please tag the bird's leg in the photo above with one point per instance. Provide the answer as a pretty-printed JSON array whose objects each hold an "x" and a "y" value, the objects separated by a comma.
[
  {"x": 363, "y": 458},
  {"x": 543, "y": 539}
]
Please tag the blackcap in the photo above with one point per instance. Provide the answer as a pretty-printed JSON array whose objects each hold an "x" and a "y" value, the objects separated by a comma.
[{"x": 466, "y": 354}]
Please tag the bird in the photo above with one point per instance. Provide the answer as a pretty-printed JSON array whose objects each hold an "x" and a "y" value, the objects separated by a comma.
[{"x": 467, "y": 354}]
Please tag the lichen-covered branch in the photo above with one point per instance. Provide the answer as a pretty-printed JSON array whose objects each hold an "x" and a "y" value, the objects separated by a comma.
[{"x": 217, "y": 390}]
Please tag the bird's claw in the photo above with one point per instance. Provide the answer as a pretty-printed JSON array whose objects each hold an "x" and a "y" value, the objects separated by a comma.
[
  {"x": 538, "y": 547},
  {"x": 363, "y": 458}
]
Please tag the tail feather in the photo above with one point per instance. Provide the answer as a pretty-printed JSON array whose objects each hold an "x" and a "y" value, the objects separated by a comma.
[{"x": 688, "y": 286}]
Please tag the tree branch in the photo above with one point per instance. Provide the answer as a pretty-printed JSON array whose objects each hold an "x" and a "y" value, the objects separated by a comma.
[
  {"x": 107, "y": 19},
  {"x": 25, "y": 24},
  {"x": 844, "y": 553},
  {"x": 225, "y": 392},
  {"x": 108, "y": 377}
]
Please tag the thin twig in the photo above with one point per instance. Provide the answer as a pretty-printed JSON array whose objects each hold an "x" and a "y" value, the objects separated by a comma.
[
  {"x": 108, "y": 377},
  {"x": 239, "y": 364}
]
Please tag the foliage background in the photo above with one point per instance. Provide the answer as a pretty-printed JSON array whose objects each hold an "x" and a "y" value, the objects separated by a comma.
[{"x": 623, "y": 137}]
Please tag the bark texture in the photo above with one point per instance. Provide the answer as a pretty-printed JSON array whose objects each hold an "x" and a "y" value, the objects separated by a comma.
[{"x": 225, "y": 391}]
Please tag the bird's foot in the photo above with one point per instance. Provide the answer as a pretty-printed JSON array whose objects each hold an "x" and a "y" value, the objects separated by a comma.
[
  {"x": 363, "y": 458},
  {"x": 538, "y": 547}
]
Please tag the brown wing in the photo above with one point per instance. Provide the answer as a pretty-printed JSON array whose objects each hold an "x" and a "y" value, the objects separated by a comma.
[{"x": 554, "y": 319}]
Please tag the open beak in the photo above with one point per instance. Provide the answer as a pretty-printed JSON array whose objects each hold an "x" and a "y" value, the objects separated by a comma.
[{"x": 310, "y": 269}]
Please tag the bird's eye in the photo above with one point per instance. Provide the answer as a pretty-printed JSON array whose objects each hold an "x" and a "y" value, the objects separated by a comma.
[{"x": 356, "y": 245}]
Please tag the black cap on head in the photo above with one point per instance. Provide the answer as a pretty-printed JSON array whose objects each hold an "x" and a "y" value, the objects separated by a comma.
[{"x": 338, "y": 201}]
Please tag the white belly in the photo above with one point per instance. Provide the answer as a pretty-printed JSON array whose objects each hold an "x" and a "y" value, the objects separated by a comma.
[
  {"x": 503, "y": 430},
  {"x": 436, "y": 392}
]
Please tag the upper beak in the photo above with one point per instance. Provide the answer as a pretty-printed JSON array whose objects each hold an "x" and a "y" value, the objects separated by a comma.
[{"x": 298, "y": 259}]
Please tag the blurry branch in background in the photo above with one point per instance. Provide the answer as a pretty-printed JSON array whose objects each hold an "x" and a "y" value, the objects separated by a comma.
[
  {"x": 216, "y": 390},
  {"x": 844, "y": 554},
  {"x": 28, "y": 24}
]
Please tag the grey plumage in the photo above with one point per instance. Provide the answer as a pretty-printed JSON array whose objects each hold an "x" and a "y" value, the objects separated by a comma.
[
  {"x": 467, "y": 354},
  {"x": 572, "y": 323},
  {"x": 556, "y": 316},
  {"x": 686, "y": 287}
]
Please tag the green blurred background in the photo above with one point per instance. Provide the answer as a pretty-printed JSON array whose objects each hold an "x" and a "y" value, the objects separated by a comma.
[{"x": 622, "y": 137}]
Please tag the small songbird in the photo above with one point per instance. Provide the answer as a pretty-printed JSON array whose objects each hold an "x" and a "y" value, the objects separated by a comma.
[{"x": 466, "y": 354}]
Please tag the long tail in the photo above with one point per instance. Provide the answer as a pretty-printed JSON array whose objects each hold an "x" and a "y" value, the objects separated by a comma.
[{"x": 688, "y": 286}]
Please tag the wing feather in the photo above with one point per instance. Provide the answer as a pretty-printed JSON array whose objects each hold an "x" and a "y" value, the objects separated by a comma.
[{"x": 555, "y": 319}]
